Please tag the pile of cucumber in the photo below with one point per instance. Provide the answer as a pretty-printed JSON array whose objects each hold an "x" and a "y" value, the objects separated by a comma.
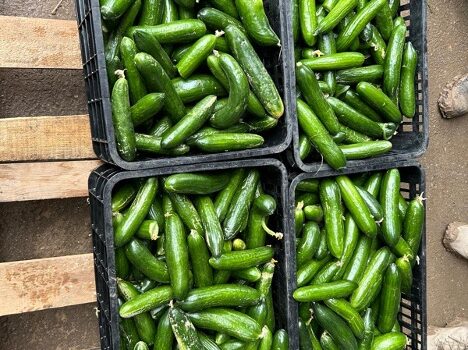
[
  {"x": 186, "y": 75},
  {"x": 355, "y": 77},
  {"x": 193, "y": 268},
  {"x": 357, "y": 242}
]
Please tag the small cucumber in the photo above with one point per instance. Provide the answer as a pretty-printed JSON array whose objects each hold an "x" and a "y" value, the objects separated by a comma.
[
  {"x": 152, "y": 144},
  {"x": 225, "y": 196},
  {"x": 353, "y": 100},
  {"x": 370, "y": 74},
  {"x": 337, "y": 13},
  {"x": 280, "y": 340},
  {"x": 122, "y": 196},
  {"x": 378, "y": 46},
  {"x": 393, "y": 59},
  {"x": 372, "y": 184},
  {"x": 333, "y": 215},
  {"x": 218, "y": 20},
  {"x": 313, "y": 213},
  {"x": 137, "y": 88},
  {"x": 129, "y": 334},
  {"x": 264, "y": 283},
  {"x": 164, "y": 336},
  {"x": 389, "y": 194},
  {"x": 414, "y": 223},
  {"x": 327, "y": 342},
  {"x": 406, "y": 273},
  {"x": 344, "y": 309},
  {"x": 251, "y": 274},
  {"x": 365, "y": 150},
  {"x": 160, "y": 127},
  {"x": 146, "y": 108},
  {"x": 141, "y": 345},
  {"x": 368, "y": 337},
  {"x": 113, "y": 9},
  {"x": 226, "y": 6},
  {"x": 213, "y": 232},
  {"x": 308, "y": 21},
  {"x": 308, "y": 185},
  {"x": 238, "y": 260},
  {"x": 378, "y": 100},
  {"x": 196, "y": 55},
  {"x": 407, "y": 82},
  {"x": 390, "y": 297},
  {"x": 372, "y": 203},
  {"x": 149, "y": 230},
  {"x": 384, "y": 21},
  {"x": 351, "y": 239},
  {"x": 141, "y": 258},
  {"x": 146, "y": 301},
  {"x": 390, "y": 341},
  {"x": 308, "y": 244},
  {"x": 151, "y": 13},
  {"x": 336, "y": 289},
  {"x": 199, "y": 255},
  {"x": 336, "y": 61},
  {"x": 308, "y": 270},
  {"x": 196, "y": 183},
  {"x": 184, "y": 331},
  {"x": 122, "y": 266},
  {"x": 228, "y": 142},
  {"x": 175, "y": 32},
  {"x": 184, "y": 207}
]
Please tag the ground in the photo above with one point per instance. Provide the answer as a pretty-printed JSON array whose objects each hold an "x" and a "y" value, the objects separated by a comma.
[{"x": 34, "y": 230}]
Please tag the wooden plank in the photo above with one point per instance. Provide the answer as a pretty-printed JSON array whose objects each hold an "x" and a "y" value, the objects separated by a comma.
[
  {"x": 40, "y": 284},
  {"x": 45, "y": 138},
  {"x": 45, "y": 180},
  {"x": 39, "y": 43}
]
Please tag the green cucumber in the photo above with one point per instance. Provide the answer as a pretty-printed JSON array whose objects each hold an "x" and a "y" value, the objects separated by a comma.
[
  {"x": 372, "y": 184},
  {"x": 160, "y": 127},
  {"x": 137, "y": 88},
  {"x": 313, "y": 213},
  {"x": 368, "y": 337},
  {"x": 157, "y": 79},
  {"x": 402, "y": 248},
  {"x": 233, "y": 323},
  {"x": 264, "y": 283},
  {"x": 184, "y": 331},
  {"x": 184, "y": 207},
  {"x": 122, "y": 266},
  {"x": 156, "y": 213},
  {"x": 199, "y": 255},
  {"x": 307, "y": 338},
  {"x": 308, "y": 21},
  {"x": 319, "y": 136},
  {"x": 406, "y": 273},
  {"x": 129, "y": 334},
  {"x": 260, "y": 80},
  {"x": 350, "y": 243},
  {"x": 357, "y": 265},
  {"x": 113, "y": 9},
  {"x": 222, "y": 276},
  {"x": 344, "y": 309},
  {"x": 366, "y": 149},
  {"x": 170, "y": 12},
  {"x": 137, "y": 212},
  {"x": 357, "y": 206},
  {"x": 152, "y": 144},
  {"x": 238, "y": 93},
  {"x": 371, "y": 281},
  {"x": 336, "y": 61},
  {"x": 196, "y": 183},
  {"x": 122, "y": 196},
  {"x": 414, "y": 223},
  {"x": 327, "y": 273},
  {"x": 378, "y": 46},
  {"x": 189, "y": 124},
  {"x": 141, "y": 345},
  {"x": 251, "y": 274},
  {"x": 299, "y": 217},
  {"x": 151, "y": 13},
  {"x": 237, "y": 215},
  {"x": 390, "y": 341},
  {"x": 218, "y": 20},
  {"x": 226, "y": 6},
  {"x": 149, "y": 44},
  {"x": 225, "y": 196},
  {"x": 213, "y": 232},
  {"x": 372, "y": 203},
  {"x": 267, "y": 339},
  {"x": 337, "y": 13},
  {"x": 208, "y": 343},
  {"x": 402, "y": 207},
  {"x": 257, "y": 229},
  {"x": 280, "y": 340},
  {"x": 208, "y": 130},
  {"x": 394, "y": 6},
  {"x": 327, "y": 343},
  {"x": 164, "y": 335},
  {"x": 175, "y": 32},
  {"x": 196, "y": 55},
  {"x": 333, "y": 215},
  {"x": 308, "y": 270},
  {"x": 238, "y": 260},
  {"x": 335, "y": 326},
  {"x": 324, "y": 291},
  {"x": 357, "y": 24},
  {"x": 238, "y": 244},
  {"x": 261, "y": 124},
  {"x": 370, "y": 74},
  {"x": 146, "y": 108},
  {"x": 232, "y": 344},
  {"x": 308, "y": 185},
  {"x": 122, "y": 120},
  {"x": 227, "y": 142},
  {"x": 393, "y": 59},
  {"x": 308, "y": 244},
  {"x": 407, "y": 82},
  {"x": 255, "y": 22},
  {"x": 149, "y": 230},
  {"x": 378, "y": 100},
  {"x": 146, "y": 301},
  {"x": 141, "y": 258},
  {"x": 389, "y": 193},
  {"x": 177, "y": 257},
  {"x": 390, "y": 297},
  {"x": 353, "y": 100},
  {"x": 384, "y": 21}
]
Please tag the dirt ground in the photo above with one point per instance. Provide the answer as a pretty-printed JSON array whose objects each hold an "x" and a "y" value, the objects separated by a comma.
[{"x": 34, "y": 230}]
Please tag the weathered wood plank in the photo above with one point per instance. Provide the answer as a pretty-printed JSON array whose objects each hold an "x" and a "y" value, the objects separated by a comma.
[
  {"x": 45, "y": 138},
  {"x": 45, "y": 180},
  {"x": 39, "y": 43},
  {"x": 39, "y": 284}
]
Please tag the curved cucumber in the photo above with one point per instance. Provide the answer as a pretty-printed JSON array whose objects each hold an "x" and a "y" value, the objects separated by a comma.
[
  {"x": 378, "y": 100},
  {"x": 333, "y": 214},
  {"x": 197, "y": 87},
  {"x": 407, "y": 82},
  {"x": 336, "y": 14},
  {"x": 142, "y": 259},
  {"x": 393, "y": 58},
  {"x": 218, "y": 20},
  {"x": 308, "y": 245},
  {"x": 414, "y": 223},
  {"x": 146, "y": 108},
  {"x": 344, "y": 309},
  {"x": 196, "y": 55}
]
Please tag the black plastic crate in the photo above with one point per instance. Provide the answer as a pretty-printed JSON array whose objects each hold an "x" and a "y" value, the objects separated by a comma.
[
  {"x": 278, "y": 61},
  {"x": 413, "y": 134},
  {"x": 102, "y": 181},
  {"x": 413, "y": 311}
]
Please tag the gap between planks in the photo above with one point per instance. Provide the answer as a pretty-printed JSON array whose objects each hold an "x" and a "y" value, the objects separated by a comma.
[
  {"x": 39, "y": 43},
  {"x": 39, "y": 284}
]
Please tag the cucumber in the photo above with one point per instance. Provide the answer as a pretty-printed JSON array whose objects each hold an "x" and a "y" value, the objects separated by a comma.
[
  {"x": 389, "y": 194},
  {"x": 213, "y": 231},
  {"x": 322, "y": 250},
  {"x": 156, "y": 79},
  {"x": 237, "y": 215},
  {"x": 371, "y": 281},
  {"x": 327, "y": 273},
  {"x": 160, "y": 127},
  {"x": 378, "y": 100},
  {"x": 189, "y": 124},
  {"x": 337, "y": 13},
  {"x": 137, "y": 212},
  {"x": 370, "y": 74},
  {"x": 414, "y": 223},
  {"x": 152, "y": 144},
  {"x": 406, "y": 273},
  {"x": 148, "y": 230},
  {"x": 350, "y": 243},
  {"x": 327, "y": 342},
  {"x": 407, "y": 83},
  {"x": 218, "y": 20},
  {"x": 228, "y": 142},
  {"x": 313, "y": 213},
  {"x": 390, "y": 297},
  {"x": 359, "y": 122},
  {"x": 226, "y": 6},
  {"x": 151, "y": 13},
  {"x": 331, "y": 203},
  {"x": 402, "y": 248},
  {"x": 356, "y": 206},
  {"x": 238, "y": 260},
  {"x": 267, "y": 339},
  {"x": 177, "y": 258},
  {"x": 238, "y": 93},
  {"x": 113, "y": 9},
  {"x": 336, "y": 61},
  {"x": 184, "y": 207},
  {"x": 170, "y": 13},
  {"x": 184, "y": 331},
  {"x": 366, "y": 149},
  {"x": 372, "y": 184},
  {"x": 372, "y": 203},
  {"x": 261, "y": 124},
  {"x": 149, "y": 44},
  {"x": 147, "y": 107},
  {"x": 402, "y": 207},
  {"x": 129, "y": 334},
  {"x": 196, "y": 55},
  {"x": 222, "y": 276},
  {"x": 175, "y": 32},
  {"x": 196, "y": 183},
  {"x": 335, "y": 326},
  {"x": 336, "y": 289},
  {"x": 208, "y": 343},
  {"x": 310, "y": 89},
  {"x": 232, "y": 344},
  {"x": 140, "y": 256},
  {"x": 257, "y": 229},
  {"x": 122, "y": 196},
  {"x": 319, "y": 136},
  {"x": 368, "y": 335},
  {"x": 384, "y": 21},
  {"x": 225, "y": 196},
  {"x": 251, "y": 274},
  {"x": 308, "y": 270},
  {"x": 122, "y": 120},
  {"x": 378, "y": 46},
  {"x": 143, "y": 322},
  {"x": 280, "y": 340},
  {"x": 327, "y": 46},
  {"x": 208, "y": 130},
  {"x": 353, "y": 100},
  {"x": 264, "y": 283},
  {"x": 308, "y": 245},
  {"x": 221, "y": 295},
  {"x": 146, "y": 301},
  {"x": 308, "y": 185},
  {"x": 164, "y": 336},
  {"x": 393, "y": 59},
  {"x": 349, "y": 314},
  {"x": 357, "y": 24},
  {"x": 260, "y": 81},
  {"x": 390, "y": 341},
  {"x": 307, "y": 338},
  {"x": 307, "y": 21},
  {"x": 137, "y": 88},
  {"x": 141, "y": 345},
  {"x": 255, "y": 22},
  {"x": 122, "y": 266},
  {"x": 233, "y": 323},
  {"x": 199, "y": 255}
]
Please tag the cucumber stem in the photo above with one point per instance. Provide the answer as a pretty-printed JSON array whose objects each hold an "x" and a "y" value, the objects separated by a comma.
[
  {"x": 219, "y": 33},
  {"x": 154, "y": 231},
  {"x": 120, "y": 73},
  {"x": 277, "y": 235}
]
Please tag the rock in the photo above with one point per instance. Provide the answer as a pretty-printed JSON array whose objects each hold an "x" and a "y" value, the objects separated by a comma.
[
  {"x": 456, "y": 238},
  {"x": 453, "y": 100},
  {"x": 453, "y": 336}
]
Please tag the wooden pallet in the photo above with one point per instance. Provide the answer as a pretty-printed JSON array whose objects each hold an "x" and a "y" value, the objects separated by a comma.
[{"x": 44, "y": 157}]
